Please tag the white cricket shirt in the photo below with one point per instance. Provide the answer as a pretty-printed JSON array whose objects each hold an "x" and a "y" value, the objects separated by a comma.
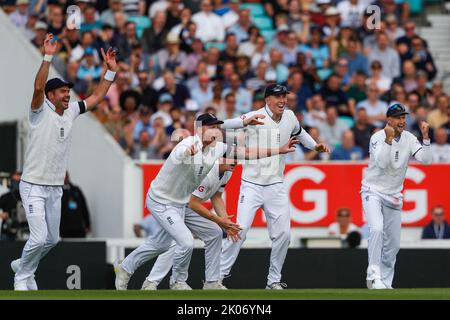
[
  {"x": 271, "y": 134},
  {"x": 181, "y": 175},
  {"x": 49, "y": 139},
  {"x": 212, "y": 183},
  {"x": 388, "y": 163}
]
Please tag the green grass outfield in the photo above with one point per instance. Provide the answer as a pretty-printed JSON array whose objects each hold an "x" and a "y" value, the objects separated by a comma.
[{"x": 290, "y": 294}]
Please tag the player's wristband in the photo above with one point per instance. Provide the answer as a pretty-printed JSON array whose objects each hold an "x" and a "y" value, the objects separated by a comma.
[
  {"x": 109, "y": 75},
  {"x": 48, "y": 57}
]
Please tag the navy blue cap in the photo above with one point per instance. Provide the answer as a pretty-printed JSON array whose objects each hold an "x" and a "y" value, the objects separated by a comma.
[
  {"x": 275, "y": 90},
  {"x": 208, "y": 119},
  {"x": 57, "y": 83},
  {"x": 396, "y": 110}
]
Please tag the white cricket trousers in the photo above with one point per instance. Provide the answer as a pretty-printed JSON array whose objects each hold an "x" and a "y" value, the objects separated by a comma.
[
  {"x": 42, "y": 206},
  {"x": 383, "y": 215},
  {"x": 273, "y": 199},
  {"x": 210, "y": 233},
  {"x": 167, "y": 225}
]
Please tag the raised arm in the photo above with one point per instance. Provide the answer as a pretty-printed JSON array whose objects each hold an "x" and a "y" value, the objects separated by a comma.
[
  {"x": 106, "y": 80},
  {"x": 423, "y": 153},
  {"x": 42, "y": 74},
  {"x": 306, "y": 140},
  {"x": 238, "y": 123}
]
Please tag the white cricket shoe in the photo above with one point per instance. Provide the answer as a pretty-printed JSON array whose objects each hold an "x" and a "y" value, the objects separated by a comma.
[
  {"x": 276, "y": 286},
  {"x": 122, "y": 277},
  {"x": 31, "y": 282},
  {"x": 21, "y": 285},
  {"x": 149, "y": 285},
  {"x": 180, "y": 286},
  {"x": 214, "y": 285},
  {"x": 376, "y": 284}
]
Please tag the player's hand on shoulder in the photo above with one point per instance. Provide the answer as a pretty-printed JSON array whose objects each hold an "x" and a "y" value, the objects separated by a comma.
[{"x": 254, "y": 120}]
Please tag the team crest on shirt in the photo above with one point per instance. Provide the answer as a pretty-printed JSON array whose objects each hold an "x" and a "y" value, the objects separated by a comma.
[
  {"x": 396, "y": 156},
  {"x": 61, "y": 133},
  {"x": 200, "y": 171}
]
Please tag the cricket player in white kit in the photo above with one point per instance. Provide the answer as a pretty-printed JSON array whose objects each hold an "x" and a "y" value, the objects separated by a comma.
[
  {"x": 169, "y": 193},
  {"x": 262, "y": 183},
  {"x": 211, "y": 188},
  {"x": 382, "y": 200},
  {"x": 46, "y": 159}
]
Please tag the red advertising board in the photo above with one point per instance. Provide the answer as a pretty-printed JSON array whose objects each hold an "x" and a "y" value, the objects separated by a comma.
[{"x": 316, "y": 191}]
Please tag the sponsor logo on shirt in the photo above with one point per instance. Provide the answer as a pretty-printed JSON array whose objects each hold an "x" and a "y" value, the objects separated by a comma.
[
  {"x": 169, "y": 219},
  {"x": 201, "y": 188}
]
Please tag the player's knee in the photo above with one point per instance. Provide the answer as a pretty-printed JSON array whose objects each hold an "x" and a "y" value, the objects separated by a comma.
[
  {"x": 376, "y": 230},
  {"x": 52, "y": 242}
]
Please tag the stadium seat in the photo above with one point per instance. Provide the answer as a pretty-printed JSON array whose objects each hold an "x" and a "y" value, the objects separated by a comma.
[
  {"x": 268, "y": 35},
  {"x": 256, "y": 9},
  {"x": 218, "y": 45},
  {"x": 141, "y": 22},
  {"x": 415, "y": 6},
  {"x": 263, "y": 23}
]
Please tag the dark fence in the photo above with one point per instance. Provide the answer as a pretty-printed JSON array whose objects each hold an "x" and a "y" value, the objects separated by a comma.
[{"x": 83, "y": 264}]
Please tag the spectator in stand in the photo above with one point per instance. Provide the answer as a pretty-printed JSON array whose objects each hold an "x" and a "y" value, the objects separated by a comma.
[
  {"x": 134, "y": 7},
  {"x": 289, "y": 49},
  {"x": 243, "y": 69},
  {"x": 343, "y": 225},
  {"x": 351, "y": 12},
  {"x": 173, "y": 13},
  {"x": 229, "y": 108},
  {"x": 243, "y": 96},
  {"x": 332, "y": 129},
  {"x": 165, "y": 104},
  {"x": 185, "y": 19},
  {"x": 19, "y": 17},
  {"x": 393, "y": 30},
  {"x": 209, "y": 25},
  {"x": 203, "y": 93},
  {"x": 440, "y": 148},
  {"x": 383, "y": 83},
  {"x": 315, "y": 114},
  {"x": 231, "y": 16},
  {"x": 356, "y": 60},
  {"x": 438, "y": 228},
  {"x": 376, "y": 108},
  {"x": 231, "y": 47},
  {"x": 177, "y": 91},
  {"x": 439, "y": 116},
  {"x": 362, "y": 131},
  {"x": 422, "y": 90},
  {"x": 11, "y": 211},
  {"x": 341, "y": 69},
  {"x": 356, "y": 92},
  {"x": 389, "y": 56},
  {"x": 247, "y": 48},
  {"x": 334, "y": 95},
  {"x": 149, "y": 96},
  {"x": 56, "y": 21},
  {"x": 301, "y": 89},
  {"x": 347, "y": 150},
  {"x": 420, "y": 114},
  {"x": 107, "y": 16},
  {"x": 404, "y": 43},
  {"x": 143, "y": 124},
  {"x": 276, "y": 67},
  {"x": 316, "y": 51},
  {"x": 154, "y": 37},
  {"x": 87, "y": 41},
  {"x": 146, "y": 147},
  {"x": 90, "y": 22},
  {"x": 422, "y": 57},
  {"x": 242, "y": 28},
  {"x": 171, "y": 57},
  {"x": 115, "y": 125},
  {"x": 75, "y": 217},
  {"x": 259, "y": 53},
  {"x": 89, "y": 70}
]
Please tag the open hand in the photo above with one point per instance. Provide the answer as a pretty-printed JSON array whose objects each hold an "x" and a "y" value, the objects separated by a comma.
[
  {"x": 290, "y": 146},
  {"x": 254, "y": 120},
  {"x": 322, "y": 147},
  {"x": 109, "y": 58}
]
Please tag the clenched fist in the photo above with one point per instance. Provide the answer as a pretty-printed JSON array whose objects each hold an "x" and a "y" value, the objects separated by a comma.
[
  {"x": 390, "y": 132},
  {"x": 425, "y": 128}
]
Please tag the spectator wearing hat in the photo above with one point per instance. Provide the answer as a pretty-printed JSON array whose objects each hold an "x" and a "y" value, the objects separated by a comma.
[
  {"x": 242, "y": 28},
  {"x": 171, "y": 57},
  {"x": 89, "y": 70},
  {"x": 107, "y": 16},
  {"x": 389, "y": 56},
  {"x": 439, "y": 116},
  {"x": 332, "y": 22},
  {"x": 20, "y": 16},
  {"x": 318, "y": 15},
  {"x": 165, "y": 104},
  {"x": 376, "y": 108},
  {"x": 40, "y": 31},
  {"x": 362, "y": 131},
  {"x": 177, "y": 91},
  {"x": 438, "y": 228},
  {"x": 203, "y": 93},
  {"x": 376, "y": 70},
  {"x": 347, "y": 150},
  {"x": 209, "y": 25},
  {"x": 440, "y": 148},
  {"x": 154, "y": 37},
  {"x": 351, "y": 12}
]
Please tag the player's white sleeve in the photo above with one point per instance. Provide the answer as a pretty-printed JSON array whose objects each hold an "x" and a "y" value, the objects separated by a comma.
[
  {"x": 422, "y": 152},
  {"x": 304, "y": 137},
  {"x": 235, "y": 123},
  {"x": 77, "y": 108},
  {"x": 381, "y": 151},
  {"x": 202, "y": 189}
]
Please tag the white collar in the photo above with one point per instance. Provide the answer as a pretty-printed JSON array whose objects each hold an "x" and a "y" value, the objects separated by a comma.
[{"x": 270, "y": 113}]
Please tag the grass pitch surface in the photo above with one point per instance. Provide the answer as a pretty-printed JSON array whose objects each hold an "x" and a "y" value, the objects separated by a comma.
[{"x": 290, "y": 294}]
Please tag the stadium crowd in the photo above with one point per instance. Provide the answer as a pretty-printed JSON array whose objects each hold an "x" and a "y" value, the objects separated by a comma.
[{"x": 178, "y": 58}]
